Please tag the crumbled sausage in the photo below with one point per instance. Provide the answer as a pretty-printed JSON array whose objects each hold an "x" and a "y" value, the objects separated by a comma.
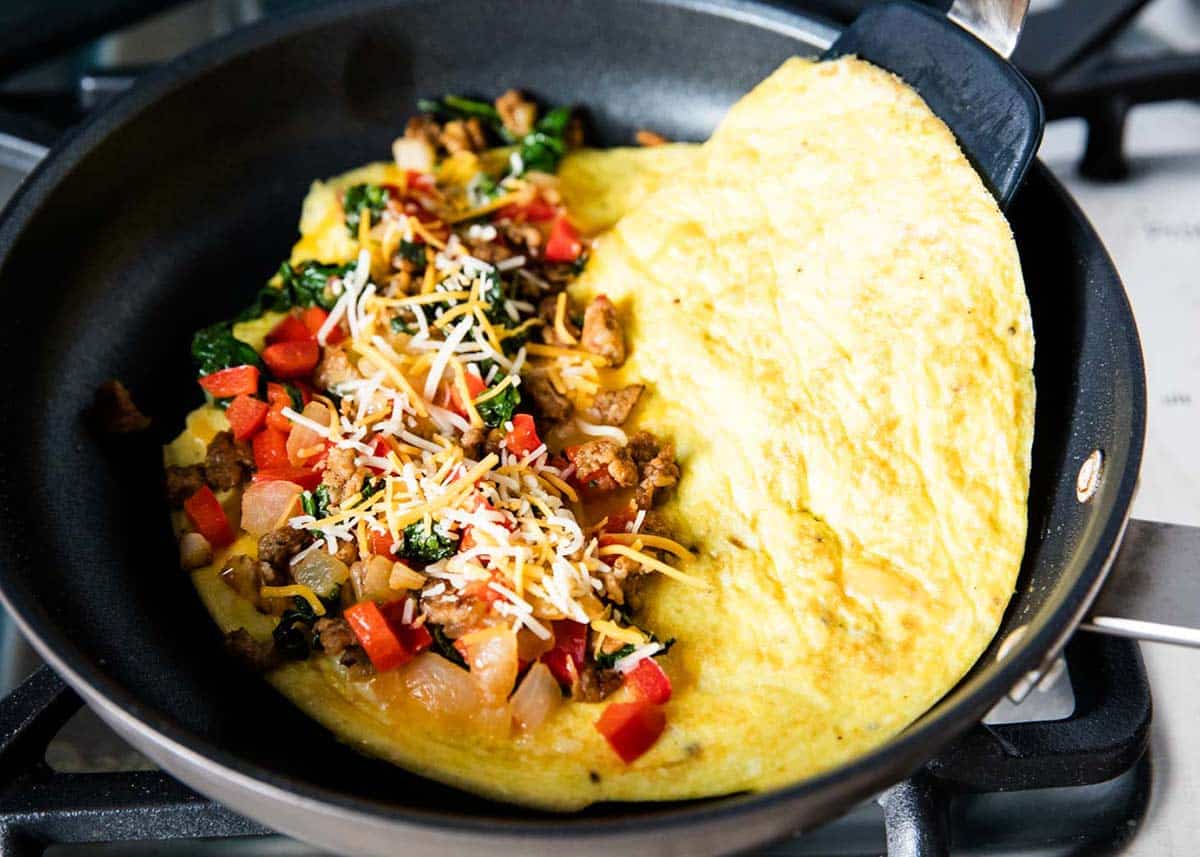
[
  {"x": 456, "y": 614},
  {"x": 612, "y": 407},
  {"x": 183, "y": 482},
  {"x": 356, "y": 662},
  {"x": 573, "y": 136},
  {"x": 277, "y": 547},
  {"x": 471, "y": 441},
  {"x": 493, "y": 440},
  {"x": 551, "y": 404},
  {"x": 463, "y": 135},
  {"x": 194, "y": 551},
  {"x": 342, "y": 476},
  {"x": 602, "y": 331},
  {"x": 114, "y": 410},
  {"x": 642, "y": 447},
  {"x": 615, "y": 580},
  {"x": 335, "y": 635},
  {"x": 525, "y": 237},
  {"x": 245, "y": 575},
  {"x": 547, "y": 310},
  {"x": 424, "y": 128},
  {"x": 251, "y": 653},
  {"x": 595, "y": 684},
  {"x": 516, "y": 112},
  {"x": 488, "y": 251},
  {"x": 335, "y": 368},
  {"x": 347, "y": 551},
  {"x": 605, "y": 456},
  {"x": 661, "y": 471},
  {"x": 646, "y": 137},
  {"x": 227, "y": 462}
]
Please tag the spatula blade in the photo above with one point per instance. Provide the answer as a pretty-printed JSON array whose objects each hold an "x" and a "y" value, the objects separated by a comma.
[{"x": 992, "y": 110}]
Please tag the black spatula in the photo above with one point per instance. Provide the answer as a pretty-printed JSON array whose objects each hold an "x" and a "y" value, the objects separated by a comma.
[{"x": 990, "y": 107}]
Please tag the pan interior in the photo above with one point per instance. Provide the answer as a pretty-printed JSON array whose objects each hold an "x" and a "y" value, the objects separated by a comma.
[{"x": 174, "y": 218}]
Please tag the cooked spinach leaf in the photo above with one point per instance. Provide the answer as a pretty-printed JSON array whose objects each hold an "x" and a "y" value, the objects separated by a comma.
[
  {"x": 498, "y": 410},
  {"x": 293, "y": 635},
  {"x": 316, "y": 502},
  {"x": 307, "y": 282},
  {"x": 215, "y": 348},
  {"x": 445, "y": 646},
  {"x": 606, "y": 661},
  {"x": 427, "y": 544},
  {"x": 360, "y": 198}
]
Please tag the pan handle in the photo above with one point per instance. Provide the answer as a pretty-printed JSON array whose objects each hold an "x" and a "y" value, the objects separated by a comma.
[
  {"x": 996, "y": 23},
  {"x": 1153, "y": 588}
]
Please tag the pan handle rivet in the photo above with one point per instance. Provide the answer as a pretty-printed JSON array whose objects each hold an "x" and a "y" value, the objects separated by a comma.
[{"x": 1088, "y": 479}]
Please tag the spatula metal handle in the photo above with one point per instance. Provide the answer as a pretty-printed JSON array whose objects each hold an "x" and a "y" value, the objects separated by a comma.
[
  {"x": 996, "y": 23},
  {"x": 1153, "y": 589}
]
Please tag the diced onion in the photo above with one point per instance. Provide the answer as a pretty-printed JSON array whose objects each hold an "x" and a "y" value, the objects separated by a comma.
[
  {"x": 321, "y": 571},
  {"x": 266, "y": 504},
  {"x": 403, "y": 577},
  {"x": 440, "y": 686},
  {"x": 535, "y": 699},
  {"x": 530, "y": 646},
  {"x": 372, "y": 579},
  {"x": 411, "y": 153},
  {"x": 303, "y": 438},
  {"x": 491, "y": 653}
]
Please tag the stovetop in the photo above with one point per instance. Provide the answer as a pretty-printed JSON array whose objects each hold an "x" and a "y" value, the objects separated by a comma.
[{"x": 1150, "y": 222}]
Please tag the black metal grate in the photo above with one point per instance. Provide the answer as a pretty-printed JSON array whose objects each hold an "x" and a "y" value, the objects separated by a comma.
[{"x": 1104, "y": 737}]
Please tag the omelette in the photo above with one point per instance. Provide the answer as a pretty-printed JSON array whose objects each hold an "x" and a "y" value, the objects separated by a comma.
[{"x": 566, "y": 475}]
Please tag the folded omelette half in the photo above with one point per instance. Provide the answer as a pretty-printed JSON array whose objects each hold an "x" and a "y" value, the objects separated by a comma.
[{"x": 827, "y": 307}]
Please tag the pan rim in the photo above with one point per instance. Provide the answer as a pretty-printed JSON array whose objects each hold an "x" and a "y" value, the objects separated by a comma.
[{"x": 847, "y": 782}]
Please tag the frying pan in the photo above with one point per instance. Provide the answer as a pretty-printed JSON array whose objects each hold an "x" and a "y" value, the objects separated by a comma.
[{"x": 165, "y": 212}]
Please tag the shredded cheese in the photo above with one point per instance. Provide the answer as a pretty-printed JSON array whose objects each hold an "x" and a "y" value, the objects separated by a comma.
[
  {"x": 651, "y": 563},
  {"x": 294, "y": 589}
]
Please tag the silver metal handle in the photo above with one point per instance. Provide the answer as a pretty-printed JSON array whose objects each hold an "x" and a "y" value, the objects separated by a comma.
[
  {"x": 1153, "y": 589},
  {"x": 996, "y": 23}
]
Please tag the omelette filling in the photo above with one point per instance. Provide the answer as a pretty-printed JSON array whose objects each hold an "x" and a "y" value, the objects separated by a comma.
[{"x": 424, "y": 450}]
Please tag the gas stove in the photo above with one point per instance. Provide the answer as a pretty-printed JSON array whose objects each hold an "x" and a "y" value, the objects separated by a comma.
[{"x": 1066, "y": 771}]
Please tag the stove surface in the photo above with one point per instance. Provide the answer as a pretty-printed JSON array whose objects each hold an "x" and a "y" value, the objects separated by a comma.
[{"x": 1150, "y": 223}]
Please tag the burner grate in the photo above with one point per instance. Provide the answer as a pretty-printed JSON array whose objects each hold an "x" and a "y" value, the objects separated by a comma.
[{"x": 1104, "y": 737}]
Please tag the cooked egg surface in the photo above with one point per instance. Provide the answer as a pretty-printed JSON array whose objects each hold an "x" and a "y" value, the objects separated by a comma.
[{"x": 828, "y": 307}]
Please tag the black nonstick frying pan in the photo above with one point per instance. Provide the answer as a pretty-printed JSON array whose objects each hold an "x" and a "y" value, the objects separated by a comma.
[{"x": 169, "y": 208}]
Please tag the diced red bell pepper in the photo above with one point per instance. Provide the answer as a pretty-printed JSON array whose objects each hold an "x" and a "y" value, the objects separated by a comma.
[
  {"x": 270, "y": 449},
  {"x": 619, "y": 520},
  {"x": 204, "y": 511},
  {"x": 417, "y": 180},
  {"x": 382, "y": 544},
  {"x": 246, "y": 416},
  {"x": 475, "y": 386},
  {"x": 648, "y": 682},
  {"x": 414, "y": 638},
  {"x": 292, "y": 359},
  {"x": 314, "y": 318},
  {"x": 233, "y": 381},
  {"x": 305, "y": 477},
  {"x": 423, "y": 214},
  {"x": 389, "y": 643},
  {"x": 569, "y": 652},
  {"x": 563, "y": 245},
  {"x": 376, "y": 635},
  {"x": 523, "y": 439},
  {"x": 279, "y": 398},
  {"x": 561, "y": 667},
  {"x": 537, "y": 211},
  {"x": 379, "y": 449},
  {"x": 631, "y": 728},
  {"x": 289, "y": 329}
]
